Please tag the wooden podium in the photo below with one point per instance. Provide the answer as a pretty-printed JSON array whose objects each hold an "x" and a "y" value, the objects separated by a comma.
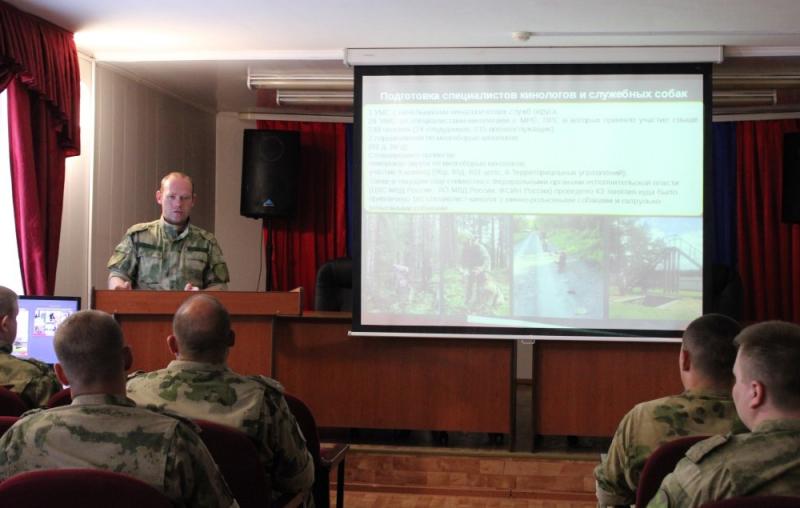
[{"x": 146, "y": 320}]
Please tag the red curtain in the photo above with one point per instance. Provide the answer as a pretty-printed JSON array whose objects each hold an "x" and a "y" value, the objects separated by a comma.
[
  {"x": 769, "y": 250},
  {"x": 39, "y": 65},
  {"x": 318, "y": 232}
]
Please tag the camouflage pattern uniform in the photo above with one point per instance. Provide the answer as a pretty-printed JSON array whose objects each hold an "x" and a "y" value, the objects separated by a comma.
[
  {"x": 253, "y": 404},
  {"x": 33, "y": 380},
  {"x": 763, "y": 462},
  {"x": 649, "y": 425},
  {"x": 153, "y": 255},
  {"x": 109, "y": 432}
]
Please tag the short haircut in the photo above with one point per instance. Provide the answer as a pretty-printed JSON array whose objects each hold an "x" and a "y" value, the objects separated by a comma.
[
  {"x": 89, "y": 347},
  {"x": 772, "y": 352},
  {"x": 202, "y": 326},
  {"x": 176, "y": 174},
  {"x": 709, "y": 341},
  {"x": 8, "y": 301}
]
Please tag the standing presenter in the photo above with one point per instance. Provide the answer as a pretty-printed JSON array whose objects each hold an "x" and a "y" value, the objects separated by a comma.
[{"x": 169, "y": 253}]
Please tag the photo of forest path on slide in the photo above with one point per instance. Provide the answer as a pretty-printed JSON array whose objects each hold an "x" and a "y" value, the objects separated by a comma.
[{"x": 557, "y": 270}]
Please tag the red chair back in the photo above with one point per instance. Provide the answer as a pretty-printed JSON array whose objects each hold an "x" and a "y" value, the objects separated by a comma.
[
  {"x": 6, "y": 422},
  {"x": 660, "y": 463},
  {"x": 11, "y": 404},
  {"x": 60, "y": 398},
  {"x": 237, "y": 458},
  {"x": 79, "y": 488}
]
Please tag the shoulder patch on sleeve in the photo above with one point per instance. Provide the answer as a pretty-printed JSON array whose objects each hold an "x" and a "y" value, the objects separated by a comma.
[{"x": 703, "y": 448}]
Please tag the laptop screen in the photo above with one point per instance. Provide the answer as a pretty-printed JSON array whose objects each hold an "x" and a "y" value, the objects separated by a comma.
[{"x": 38, "y": 318}]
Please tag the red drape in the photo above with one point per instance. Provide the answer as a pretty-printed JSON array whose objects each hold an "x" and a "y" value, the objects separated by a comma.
[
  {"x": 318, "y": 232},
  {"x": 769, "y": 250},
  {"x": 39, "y": 65}
]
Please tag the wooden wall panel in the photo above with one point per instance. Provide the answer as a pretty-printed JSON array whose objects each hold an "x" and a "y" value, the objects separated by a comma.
[{"x": 584, "y": 388}]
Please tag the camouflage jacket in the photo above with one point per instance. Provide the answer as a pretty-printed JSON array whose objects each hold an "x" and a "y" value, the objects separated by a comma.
[
  {"x": 253, "y": 404},
  {"x": 33, "y": 380},
  {"x": 110, "y": 432},
  {"x": 649, "y": 425},
  {"x": 153, "y": 255},
  {"x": 763, "y": 462}
]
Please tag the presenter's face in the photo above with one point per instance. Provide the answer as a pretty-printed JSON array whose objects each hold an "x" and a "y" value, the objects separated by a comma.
[{"x": 176, "y": 199}]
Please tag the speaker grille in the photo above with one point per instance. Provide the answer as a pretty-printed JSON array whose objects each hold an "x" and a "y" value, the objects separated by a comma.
[{"x": 270, "y": 168}]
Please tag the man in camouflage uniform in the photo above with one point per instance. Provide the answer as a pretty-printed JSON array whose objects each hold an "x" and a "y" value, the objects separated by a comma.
[
  {"x": 767, "y": 397},
  {"x": 704, "y": 408},
  {"x": 169, "y": 253},
  {"x": 102, "y": 429},
  {"x": 33, "y": 380},
  {"x": 199, "y": 384}
]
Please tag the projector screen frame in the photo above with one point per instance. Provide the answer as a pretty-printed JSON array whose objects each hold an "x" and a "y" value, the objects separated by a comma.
[{"x": 526, "y": 332}]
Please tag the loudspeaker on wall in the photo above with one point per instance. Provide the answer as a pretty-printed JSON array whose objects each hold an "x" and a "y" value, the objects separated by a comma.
[
  {"x": 791, "y": 177},
  {"x": 270, "y": 167}
]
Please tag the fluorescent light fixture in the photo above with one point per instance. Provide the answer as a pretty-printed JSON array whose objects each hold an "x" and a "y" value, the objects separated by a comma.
[
  {"x": 756, "y": 80},
  {"x": 532, "y": 55},
  {"x": 315, "y": 97},
  {"x": 282, "y": 82},
  {"x": 745, "y": 98}
]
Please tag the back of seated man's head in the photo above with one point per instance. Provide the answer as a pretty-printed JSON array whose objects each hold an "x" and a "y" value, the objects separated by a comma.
[
  {"x": 202, "y": 327},
  {"x": 769, "y": 353},
  {"x": 709, "y": 341},
  {"x": 89, "y": 347},
  {"x": 8, "y": 311}
]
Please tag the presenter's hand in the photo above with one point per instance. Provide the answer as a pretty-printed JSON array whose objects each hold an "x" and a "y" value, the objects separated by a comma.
[
  {"x": 118, "y": 283},
  {"x": 189, "y": 287}
]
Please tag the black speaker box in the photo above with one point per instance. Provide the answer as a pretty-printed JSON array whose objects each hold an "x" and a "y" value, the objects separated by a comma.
[
  {"x": 791, "y": 177},
  {"x": 270, "y": 168}
]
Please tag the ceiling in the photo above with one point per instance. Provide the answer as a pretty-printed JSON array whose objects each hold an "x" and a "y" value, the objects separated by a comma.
[{"x": 200, "y": 51}]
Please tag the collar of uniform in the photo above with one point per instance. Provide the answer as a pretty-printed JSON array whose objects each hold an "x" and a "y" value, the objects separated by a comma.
[
  {"x": 790, "y": 424},
  {"x": 171, "y": 230},
  {"x": 6, "y": 348},
  {"x": 187, "y": 365},
  {"x": 94, "y": 399},
  {"x": 706, "y": 394}
]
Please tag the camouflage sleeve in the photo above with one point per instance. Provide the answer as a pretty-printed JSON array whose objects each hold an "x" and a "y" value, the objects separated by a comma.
[
  {"x": 123, "y": 261},
  {"x": 217, "y": 273},
  {"x": 191, "y": 474},
  {"x": 39, "y": 390},
  {"x": 614, "y": 482},
  {"x": 661, "y": 499},
  {"x": 293, "y": 466}
]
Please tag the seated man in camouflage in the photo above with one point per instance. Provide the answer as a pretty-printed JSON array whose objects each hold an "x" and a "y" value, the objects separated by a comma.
[
  {"x": 765, "y": 461},
  {"x": 102, "y": 429},
  {"x": 33, "y": 380},
  {"x": 198, "y": 384},
  {"x": 705, "y": 407},
  {"x": 169, "y": 253}
]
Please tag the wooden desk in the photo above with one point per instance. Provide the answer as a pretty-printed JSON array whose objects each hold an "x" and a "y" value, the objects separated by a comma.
[
  {"x": 585, "y": 388},
  {"x": 146, "y": 320},
  {"x": 394, "y": 383}
]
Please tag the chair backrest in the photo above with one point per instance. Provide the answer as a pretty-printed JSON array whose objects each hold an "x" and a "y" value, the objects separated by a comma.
[
  {"x": 756, "y": 502},
  {"x": 660, "y": 463},
  {"x": 237, "y": 458},
  {"x": 6, "y": 422},
  {"x": 60, "y": 398},
  {"x": 307, "y": 423},
  {"x": 79, "y": 488},
  {"x": 11, "y": 404},
  {"x": 334, "y": 289}
]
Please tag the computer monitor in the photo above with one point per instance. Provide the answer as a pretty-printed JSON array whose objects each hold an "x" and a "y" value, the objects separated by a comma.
[{"x": 38, "y": 318}]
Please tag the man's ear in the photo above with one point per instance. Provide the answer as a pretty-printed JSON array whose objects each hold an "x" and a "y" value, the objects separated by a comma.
[
  {"x": 758, "y": 394},
  {"x": 127, "y": 356},
  {"x": 231, "y": 338},
  {"x": 685, "y": 360},
  {"x": 158, "y": 196},
  {"x": 61, "y": 375},
  {"x": 172, "y": 344}
]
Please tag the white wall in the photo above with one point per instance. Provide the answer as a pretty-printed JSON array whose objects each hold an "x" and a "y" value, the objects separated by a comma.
[
  {"x": 142, "y": 134},
  {"x": 239, "y": 237}
]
